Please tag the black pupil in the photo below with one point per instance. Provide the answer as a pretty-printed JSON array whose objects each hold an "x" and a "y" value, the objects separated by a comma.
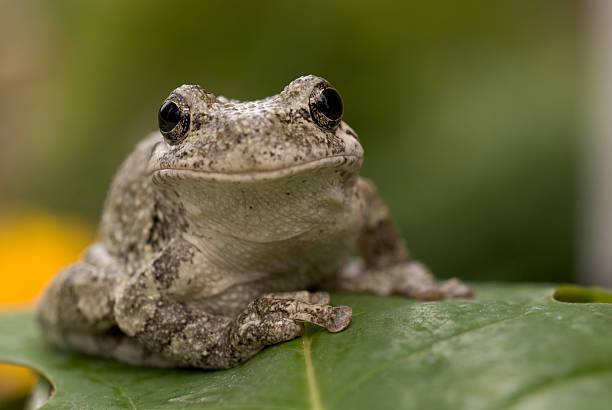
[
  {"x": 329, "y": 104},
  {"x": 169, "y": 116}
]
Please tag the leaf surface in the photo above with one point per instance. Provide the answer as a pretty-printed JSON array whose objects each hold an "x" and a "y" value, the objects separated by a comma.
[{"x": 513, "y": 347}]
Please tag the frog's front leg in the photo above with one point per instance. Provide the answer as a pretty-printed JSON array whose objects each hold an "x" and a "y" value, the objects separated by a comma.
[
  {"x": 154, "y": 312},
  {"x": 76, "y": 312},
  {"x": 385, "y": 265}
]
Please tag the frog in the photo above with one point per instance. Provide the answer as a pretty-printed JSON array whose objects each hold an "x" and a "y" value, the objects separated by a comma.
[{"x": 223, "y": 231}]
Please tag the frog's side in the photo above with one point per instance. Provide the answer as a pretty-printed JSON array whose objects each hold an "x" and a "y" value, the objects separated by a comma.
[{"x": 212, "y": 233}]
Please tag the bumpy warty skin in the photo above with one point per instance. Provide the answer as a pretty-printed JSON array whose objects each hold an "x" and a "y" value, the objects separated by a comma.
[
  {"x": 213, "y": 232},
  {"x": 256, "y": 187}
]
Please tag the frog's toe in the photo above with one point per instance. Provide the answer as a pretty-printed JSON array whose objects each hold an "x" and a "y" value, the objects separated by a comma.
[
  {"x": 270, "y": 308},
  {"x": 339, "y": 319},
  {"x": 454, "y": 288}
]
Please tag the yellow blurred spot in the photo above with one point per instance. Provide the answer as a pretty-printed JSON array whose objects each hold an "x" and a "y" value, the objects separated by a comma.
[
  {"x": 34, "y": 245},
  {"x": 16, "y": 382}
]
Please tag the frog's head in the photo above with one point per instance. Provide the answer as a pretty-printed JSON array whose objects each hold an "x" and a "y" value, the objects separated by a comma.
[
  {"x": 264, "y": 170},
  {"x": 208, "y": 137}
]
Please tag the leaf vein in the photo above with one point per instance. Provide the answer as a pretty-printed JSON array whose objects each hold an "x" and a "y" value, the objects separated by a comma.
[{"x": 313, "y": 390}]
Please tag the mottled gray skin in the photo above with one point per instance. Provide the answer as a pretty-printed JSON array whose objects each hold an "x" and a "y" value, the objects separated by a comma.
[{"x": 207, "y": 247}]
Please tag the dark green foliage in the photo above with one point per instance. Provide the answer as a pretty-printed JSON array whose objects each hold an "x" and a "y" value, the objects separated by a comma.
[{"x": 468, "y": 111}]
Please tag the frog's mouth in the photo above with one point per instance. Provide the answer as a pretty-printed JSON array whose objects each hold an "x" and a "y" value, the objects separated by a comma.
[{"x": 341, "y": 162}]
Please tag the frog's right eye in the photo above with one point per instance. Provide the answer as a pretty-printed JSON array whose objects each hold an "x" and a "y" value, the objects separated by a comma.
[
  {"x": 326, "y": 106},
  {"x": 174, "y": 119}
]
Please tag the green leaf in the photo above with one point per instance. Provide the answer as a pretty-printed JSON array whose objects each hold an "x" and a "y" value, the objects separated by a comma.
[{"x": 513, "y": 347}]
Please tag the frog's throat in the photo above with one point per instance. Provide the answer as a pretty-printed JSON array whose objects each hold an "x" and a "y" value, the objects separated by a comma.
[{"x": 347, "y": 162}]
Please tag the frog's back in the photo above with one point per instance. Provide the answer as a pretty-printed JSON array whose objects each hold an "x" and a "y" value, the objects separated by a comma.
[{"x": 129, "y": 210}]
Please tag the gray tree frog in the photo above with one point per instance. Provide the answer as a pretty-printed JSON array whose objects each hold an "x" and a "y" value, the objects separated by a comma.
[{"x": 217, "y": 228}]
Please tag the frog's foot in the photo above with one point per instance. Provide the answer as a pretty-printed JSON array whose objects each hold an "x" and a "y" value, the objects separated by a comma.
[
  {"x": 268, "y": 320},
  {"x": 411, "y": 279},
  {"x": 301, "y": 307}
]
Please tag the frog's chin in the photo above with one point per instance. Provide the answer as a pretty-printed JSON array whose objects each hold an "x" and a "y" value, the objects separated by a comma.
[{"x": 340, "y": 162}]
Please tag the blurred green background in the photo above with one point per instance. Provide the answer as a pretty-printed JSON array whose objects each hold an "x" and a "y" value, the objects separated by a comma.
[{"x": 469, "y": 112}]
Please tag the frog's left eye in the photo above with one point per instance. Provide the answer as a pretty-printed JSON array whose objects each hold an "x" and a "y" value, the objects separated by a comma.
[{"x": 174, "y": 119}]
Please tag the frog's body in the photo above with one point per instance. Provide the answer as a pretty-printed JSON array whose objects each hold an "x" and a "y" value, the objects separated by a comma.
[{"x": 213, "y": 231}]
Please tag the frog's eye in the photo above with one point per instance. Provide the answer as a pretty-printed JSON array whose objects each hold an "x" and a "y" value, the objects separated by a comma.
[
  {"x": 326, "y": 106},
  {"x": 174, "y": 119}
]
